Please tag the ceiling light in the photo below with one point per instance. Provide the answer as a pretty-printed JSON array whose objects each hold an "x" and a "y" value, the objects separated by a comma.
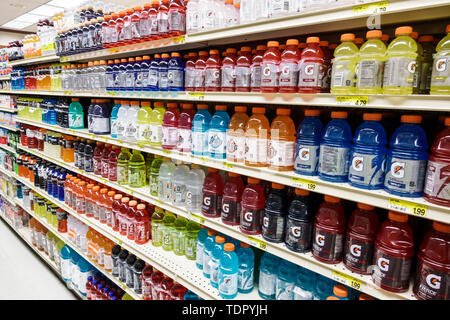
[
  {"x": 46, "y": 10},
  {"x": 66, "y": 4},
  {"x": 14, "y": 24},
  {"x": 32, "y": 18}
]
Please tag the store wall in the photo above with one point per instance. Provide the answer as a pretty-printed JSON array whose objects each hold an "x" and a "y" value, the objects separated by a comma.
[{"x": 6, "y": 37}]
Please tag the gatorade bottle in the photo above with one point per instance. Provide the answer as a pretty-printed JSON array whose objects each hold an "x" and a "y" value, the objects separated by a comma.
[
  {"x": 154, "y": 172},
  {"x": 167, "y": 228},
  {"x": 394, "y": 251},
  {"x": 236, "y": 135},
  {"x": 170, "y": 127},
  {"x": 175, "y": 73},
  {"x": 200, "y": 70},
  {"x": 179, "y": 184},
  {"x": 228, "y": 272},
  {"x": 143, "y": 124},
  {"x": 360, "y": 239},
  {"x": 163, "y": 69},
  {"x": 440, "y": 76},
  {"x": 419, "y": 62},
  {"x": 307, "y": 144},
  {"x": 231, "y": 201},
  {"x": 253, "y": 202},
  {"x": 153, "y": 83},
  {"x": 274, "y": 220},
  {"x": 136, "y": 170},
  {"x": 165, "y": 180},
  {"x": 368, "y": 155},
  {"x": 256, "y": 69},
  {"x": 311, "y": 69},
  {"x": 284, "y": 285},
  {"x": 200, "y": 128},
  {"x": 267, "y": 276},
  {"x": 437, "y": 182},
  {"x": 243, "y": 70},
  {"x": 344, "y": 66},
  {"x": 113, "y": 118},
  {"x": 327, "y": 58},
  {"x": 194, "y": 186},
  {"x": 212, "y": 194},
  {"x": 98, "y": 150},
  {"x": 371, "y": 64},
  {"x": 216, "y": 254},
  {"x": 105, "y": 161},
  {"x": 400, "y": 64},
  {"x": 208, "y": 247},
  {"x": 122, "y": 119},
  {"x": 156, "y": 120},
  {"x": 217, "y": 133},
  {"x": 289, "y": 67},
  {"x": 257, "y": 136},
  {"x": 157, "y": 219},
  {"x": 228, "y": 81},
  {"x": 116, "y": 211},
  {"x": 407, "y": 159},
  {"x": 270, "y": 68},
  {"x": 76, "y": 115},
  {"x": 282, "y": 142},
  {"x": 329, "y": 228},
  {"x": 431, "y": 281},
  {"x": 299, "y": 222},
  {"x": 185, "y": 127},
  {"x": 112, "y": 163},
  {"x": 426, "y": 42},
  {"x": 122, "y": 166},
  {"x": 201, "y": 237},
  {"x": 189, "y": 72},
  {"x": 334, "y": 157},
  {"x": 304, "y": 284},
  {"x": 213, "y": 71}
]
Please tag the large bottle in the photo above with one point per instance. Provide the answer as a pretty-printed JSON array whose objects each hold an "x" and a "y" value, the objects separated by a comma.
[
  {"x": 176, "y": 72},
  {"x": 284, "y": 285},
  {"x": 170, "y": 127},
  {"x": 136, "y": 170},
  {"x": 368, "y": 154},
  {"x": 281, "y": 146},
  {"x": 200, "y": 128},
  {"x": 257, "y": 136},
  {"x": 213, "y": 71},
  {"x": 217, "y": 133},
  {"x": 343, "y": 74},
  {"x": 216, "y": 254},
  {"x": 228, "y": 81},
  {"x": 76, "y": 114},
  {"x": 143, "y": 124},
  {"x": 165, "y": 180},
  {"x": 431, "y": 281},
  {"x": 311, "y": 69},
  {"x": 400, "y": 67},
  {"x": 236, "y": 135},
  {"x": 407, "y": 158},
  {"x": 270, "y": 68},
  {"x": 289, "y": 67},
  {"x": 228, "y": 272},
  {"x": 440, "y": 76},
  {"x": 231, "y": 201},
  {"x": 179, "y": 179},
  {"x": 122, "y": 166},
  {"x": 437, "y": 182},
  {"x": 394, "y": 252},
  {"x": 246, "y": 258},
  {"x": 305, "y": 281},
  {"x": 212, "y": 194},
  {"x": 156, "y": 120},
  {"x": 185, "y": 120},
  {"x": 256, "y": 68},
  {"x": 253, "y": 202},
  {"x": 267, "y": 276},
  {"x": 274, "y": 220},
  {"x": 154, "y": 175},
  {"x": 243, "y": 72}
]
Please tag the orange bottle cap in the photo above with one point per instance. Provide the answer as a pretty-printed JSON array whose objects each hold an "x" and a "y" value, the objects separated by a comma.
[
  {"x": 397, "y": 216},
  {"x": 347, "y": 37},
  {"x": 203, "y": 53},
  {"x": 117, "y": 197},
  {"x": 232, "y": 174},
  {"x": 211, "y": 52},
  {"x": 301, "y": 192},
  {"x": 187, "y": 106},
  {"x": 441, "y": 227},
  {"x": 146, "y": 58},
  {"x": 220, "y": 239},
  {"x": 283, "y": 111},
  {"x": 111, "y": 193},
  {"x": 426, "y": 38},
  {"x": 332, "y": 298},
  {"x": 138, "y": 58},
  {"x": 212, "y": 232},
  {"x": 90, "y": 186},
  {"x": 192, "y": 54},
  {"x": 292, "y": 42},
  {"x": 272, "y": 44},
  {"x": 302, "y": 45},
  {"x": 228, "y": 247},
  {"x": 132, "y": 203},
  {"x": 366, "y": 297},
  {"x": 159, "y": 104},
  {"x": 96, "y": 188},
  {"x": 407, "y": 118},
  {"x": 312, "y": 113},
  {"x": 172, "y": 105},
  {"x": 261, "y": 47},
  {"x": 82, "y": 183},
  {"x": 145, "y": 103},
  {"x": 76, "y": 99},
  {"x": 165, "y": 55},
  {"x": 374, "y": 34},
  {"x": 157, "y": 56},
  {"x": 243, "y": 109},
  {"x": 246, "y": 49},
  {"x": 447, "y": 29},
  {"x": 403, "y": 30},
  {"x": 138, "y": 8},
  {"x": 221, "y": 107},
  {"x": 175, "y": 54},
  {"x": 253, "y": 180},
  {"x": 447, "y": 122},
  {"x": 258, "y": 110},
  {"x": 278, "y": 186},
  {"x": 340, "y": 291},
  {"x": 155, "y": 2},
  {"x": 140, "y": 206},
  {"x": 212, "y": 169},
  {"x": 134, "y": 103},
  {"x": 231, "y": 50},
  {"x": 372, "y": 116},
  {"x": 366, "y": 207},
  {"x": 323, "y": 43},
  {"x": 331, "y": 199},
  {"x": 116, "y": 60},
  {"x": 244, "y": 245},
  {"x": 202, "y": 106},
  {"x": 104, "y": 191},
  {"x": 125, "y": 199},
  {"x": 312, "y": 40},
  {"x": 123, "y": 60},
  {"x": 339, "y": 114}
]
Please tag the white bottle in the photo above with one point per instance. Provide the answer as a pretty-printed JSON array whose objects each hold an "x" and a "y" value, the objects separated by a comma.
[
  {"x": 194, "y": 185},
  {"x": 122, "y": 120},
  {"x": 192, "y": 16},
  {"x": 246, "y": 13},
  {"x": 261, "y": 9},
  {"x": 131, "y": 127},
  {"x": 220, "y": 13},
  {"x": 278, "y": 8},
  {"x": 208, "y": 14},
  {"x": 165, "y": 180},
  {"x": 230, "y": 18},
  {"x": 180, "y": 176}
]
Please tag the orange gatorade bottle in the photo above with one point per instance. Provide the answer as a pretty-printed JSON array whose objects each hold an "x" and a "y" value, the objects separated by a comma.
[
  {"x": 256, "y": 138},
  {"x": 281, "y": 147},
  {"x": 236, "y": 135}
]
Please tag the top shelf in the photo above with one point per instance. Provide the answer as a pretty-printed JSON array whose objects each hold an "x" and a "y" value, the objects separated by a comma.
[{"x": 36, "y": 60}]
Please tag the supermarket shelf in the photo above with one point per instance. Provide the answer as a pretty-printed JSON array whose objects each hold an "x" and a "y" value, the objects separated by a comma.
[
  {"x": 7, "y": 148},
  {"x": 36, "y": 60},
  {"x": 5, "y": 109},
  {"x": 8, "y": 127},
  {"x": 401, "y": 102},
  {"x": 337, "y": 272},
  {"x": 5, "y": 78},
  {"x": 378, "y": 198}
]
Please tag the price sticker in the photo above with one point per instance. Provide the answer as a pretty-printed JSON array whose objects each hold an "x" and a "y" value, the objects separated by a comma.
[
  {"x": 64, "y": 59},
  {"x": 204, "y": 160},
  {"x": 304, "y": 184},
  {"x": 371, "y": 8},
  {"x": 257, "y": 243},
  {"x": 167, "y": 151},
  {"x": 196, "y": 218},
  {"x": 118, "y": 240},
  {"x": 227, "y": 165},
  {"x": 179, "y": 39},
  {"x": 67, "y": 93},
  {"x": 407, "y": 207},
  {"x": 112, "y": 93},
  {"x": 158, "y": 201},
  {"x": 347, "y": 280},
  {"x": 197, "y": 95},
  {"x": 113, "y": 50},
  {"x": 358, "y": 101},
  {"x": 130, "y": 191}
]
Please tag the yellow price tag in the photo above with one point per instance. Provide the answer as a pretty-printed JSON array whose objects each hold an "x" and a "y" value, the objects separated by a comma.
[
  {"x": 377, "y": 7},
  {"x": 118, "y": 240},
  {"x": 64, "y": 59},
  {"x": 67, "y": 93},
  {"x": 227, "y": 165},
  {"x": 130, "y": 191},
  {"x": 257, "y": 243},
  {"x": 347, "y": 280},
  {"x": 112, "y": 93},
  {"x": 159, "y": 202},
  {"x": 113, "y": 50},
  {"x": 179, "y": 39},
  {"x": 359, "y": 101},
  {"x": 204, "y": 160},
  {"x": 167, "y": 151},
  {"x": 304, "y": 184},
  {"x": 197, "y": 218},
  {"x": 197, "y": 95},
  {"x": 407, "y": 207}
]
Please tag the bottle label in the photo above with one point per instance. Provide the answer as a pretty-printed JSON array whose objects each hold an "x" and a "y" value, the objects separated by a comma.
[
  {"x": 114, "y": 124},
  {"x": 169, "y": 136},
  {"x": 184, "y": 140},
  {"x": 153, "y": 77},
  {"x": 334, "y": 160},
  {"x": 431, "y": 284},
  {"x": 175, "y": 78},
  {"x": 300, "y": 294},
  {"x": 199, "y": 81},
  {"x": 212, "y": 77},
  {"x": 100, "y": 125},
  {"x": 137, "y": 176},
  {"x": 310, "y": 74},
  {"x": 228, "y": 77},
  {"x": 75, "y": 120},
  {"x": 245, "y": 279},
  {"x": 199, "y": 142},
  {"x": 80, "y": 205},
  {"x": 156, "y": 133},
  {"x": 405, "y": 175},
  {"x": 179, "y": 193},
  {"x": 199, "y": 253},
  {"x": 358, "y": 254},
  {"x": 143, "y": 132},
  {"x": 235, "y": 146},
  {"x": 163, "y": 22},
  {"x": 284, "y": 290},
  {"x": 367, "y": 169},
  {"x": 256, "y": 150},
  {"x": 440, "y": 76},
  {"x": 399, "y": 72},
  {"x": 328, "y": 245},
  {"x": 129, "y": 80},
  {"x": 343, "y": 73},
  {"x": 177, "y": 21},
  {"x": 298, "y": 235},
  {"x": 211, "y": 204},
  {"x": 370, "y": 74},
  {"x": 273, "y": 226},
  {"x": 391, "y": 271},
  {"x": 266, "y": 283},
  {"x": 228, "y": 284},
  {"x": 122, "y": 174},
  {"x": 217, "y": 142},
  {"x": 231, "y": 211},
  {"x": 243, "y": 77},
  {"x": 306, "y": 158},
  {"x": 255, "y": 76},
  {"x": 289, "y": 74},
  {"x": 251, "y": 219},
  {"x": 437, "y": 182},
  {"x": 214, "y": 270},
  {"x": 189, "y": 78},
  {"x": 131, "y": 131},
  {"x": 281, "y": 153},
  {"x": 270, "y": 75},
  {"x": 163, "y": 80}
]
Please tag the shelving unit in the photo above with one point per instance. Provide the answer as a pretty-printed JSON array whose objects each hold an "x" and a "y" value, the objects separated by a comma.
[
  {"x": 8, "y": 127},
  {"x": 7, "y": 148},
  {"x": 36, "y": 60},
  {"x": 6, "y": 109}
]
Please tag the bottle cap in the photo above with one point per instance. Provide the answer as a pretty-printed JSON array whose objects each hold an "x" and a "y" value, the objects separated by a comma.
[
  {"x": 159, "y": 104},
  {"x": 172, "y": 105},
  {"x": 301, "y": 192},
  {"x": 447, "y": 122},
  {"x": 203, "y": 53},
  {"x": 278, "y": 186},
  {"x": 211, "y": 52},
  {"x": 366, "y": 297},
  {"x": 233, "y": 174},
  {"x": 138, "y": 58},
  {"x": 132, "y": 203},
  {"x": 145, "y": 104},
  {"x": 347, "y": 37},
  {"x": 138, "y": 8},
  {"x": 146, "y": 58},
  {"x": 292, "y": 42},
  {"x": 312, "y": 113},
  {"x": 111, "y": 193},
  {"x": 134, "y": 103},
  {"x": 447, "y": 29},
  {"x": 441, "y": 227},
  {"x": 272, "y": 44},
  {"x": 333, "y": 298},
  {"x": 95, "y": 188},
  {"x": 366, "y": 207},
  {"x": 82, "y": 183},
  {"x": 202, "y": 106},
  {"x": 155, "y": 2},
  {"x": 165, "y": 55},
  {"x": 426, "y": 38},
  {"x": 411, "y": 118},
  {"x": 243, "y": 109},
  {"x": 374, "y": 34},
  {"x": 175, "y": 54},
  {"x": 414, "y": 35},
  {"x": 157, "y": 56},
  {"x": 103, "y": 190},
  {"x": 283, "y": 111},
  {"x": 261, "y": 48},
  {"x": 331, "y": 199},
  {"x": 228, "y": 247},
  {"x": 187, "y": 106},
  {"x": 212, "y": 169},
  {"x": 397, "y": 216},
  {"x": 221, "y": 107},
  {"x": 340, "y": 291},
  {"x": 140, "y": 206},
  {"x": 212, "y": 232},
  {"x": 231, "y": 50},
  {"x": 246, "y": 49},
  {"x": 258, "y": 110},
  {"x": 125, "y": 199},
  {"x": 323, "y": 43},
  {"x": 312, "y": 40},
  {"x": 339, "y": 114},
  {"x": 302, "y": 45},
  {"x": 253, "y": 180},
  {"x": 403, "y": 30},
  {"x": 192, "y": 54},
  {"x": 220, "y": 239},
  {"x": 76, "y": 99},
  {"x": 372, "y": 116},
  {"x": 117, "y": 197}
]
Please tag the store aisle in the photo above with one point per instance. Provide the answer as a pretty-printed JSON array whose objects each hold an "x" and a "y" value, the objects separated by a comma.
[{"x": 23, "y": 275}]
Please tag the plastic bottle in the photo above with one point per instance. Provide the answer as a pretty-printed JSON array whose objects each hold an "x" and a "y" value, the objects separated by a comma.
[
  {"x": 175, "y": 73},
  {"x": 200, "y": 128},
  {"x": 426, "y": 42},
  {"x": 290, "y": 58},
  {"x": 143, "y": 124},
  {"x": 436, "y": 185},
  {"x": 432, "y": 267},
  {"x": 368, "y": 154},
  {"x": 113, "y": 118},
  {"x": 256, "y": 139},
  {"x": 360, "y": 239},
  {"x": 217, "y": 133},
  {"x": 344, "y": 66},
  {"x": 167, "y": 230},
  {"x": 282, "y": 142},
  {"x": 216, "y": 254},
  {"x": 179, "y": 236},
  {"x": 201, "y": 237},
  {"x": 200, "y": 70},
  {"x": 334, "y": 157},
  {"x": 122, "y": 166},
  {"x": 274, "y": 219},
  {"x": 440, "y": 73},
  {"x": 194, "y": 186},
  {"x": 213, "y": 71},
  {"x": 304, "y": 284},
  {"x": 112, "y": 163},
  {"x": 179, "y": 179},
  {"x": 228, "y": 273},
  {"x": 165, "y": 180},
  {"x": 246, "y": 258},
  {"x": 153, "y": 70},
  {"x": 104, "y": 161},
  {"x": 253, "y": 201},
  {"x": 185, "y": 128},
  {"x": 136, "y": 170},
  {"x": 189, "y": 69},
  {"x": 311, "y": 70},
  {"x": 231, "y": 201},
  {"x": 163, "y": 72},
  {"x": 212, "y": 194},
  {"x": 267, "y": 276},
  {"x": 270, "y": 68},
  {"x": 256, "y": 69},
  {"x": 284, "y": 285},
  {"x": 407, "y": 158},
  {"x": 400, "y": 64},
  {"x": 228, "y": 71},
  {"x": 163, "y": 19},
  {"x": 76, "y": 115},
  {"x": 235, "y": 147},
  {"x": 170, "y": 127},
  {"x": 154, "y": 172},
  {"x": 243, "y": 70},
  {"x": 208, "y": 247},
  {"x": 394, "y": 251},
  {"x": 328, "y": 234},
  {"x": 122, "y": 119},
  {"x": 157, "y": 219},
  {"x": 371, "y": 64}
]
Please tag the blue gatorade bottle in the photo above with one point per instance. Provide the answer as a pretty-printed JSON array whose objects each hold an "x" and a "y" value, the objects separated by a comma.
[
  {"x": 176, "y": 73},
  {"x": 200, "y": 128},
  {"x": 407, "y": 158},
  {"x": 334, "y": 158},
  {"x": 129, "y": 77},
  {"x": 307, "y": 146},
  {"x": 115, "y": 86},
  {"x": 109, "y": 76},
  {"x": 305, "y": 282},
  {"x": 144, "y": 73},
  {"x": 228, "y": 272},
  {"x": 122, "y": 75},
  {"x": 246, "y": 258},
  {"x": 114, "y": 111},
  {"x": 216, "y": 254},
  {"x": 201, "y": 237},
  {"x": 137, "y": 75},
  {"x": 368, "y": 154},
  {"x": 324, "y": 287},
  {"x": 267, "y": 276},
  {"x": 285, "y": 280},
  {"x": 163, "y": 80},
  {"x": 217, "y": 134},
  {"x": 153, "y": 83},
  {"x": 207, "y": 251}
]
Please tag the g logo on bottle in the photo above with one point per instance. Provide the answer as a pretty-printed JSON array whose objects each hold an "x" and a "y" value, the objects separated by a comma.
[
  {"x": 304, "y": 154},
  {"x": 309, "y": 69},
  {"x": 320, "y": 240},
  {"x": 358, "y": 164},
  {"x": 248, "y": 216},
  {"x": 412, "y": 67},
  {"x": 296, "y": 231},
  {"x": 226, "y": 208},
  {"x": 383, "y": 264},
  {"x": 441, "y": 65},
  {"x": 206, "y": 200},
  {"x": 355, "y": 250},
  {"x": 433, "y": 281},
  {"x": 398, "y": 169},
  {"x": 266, "y": 222}
]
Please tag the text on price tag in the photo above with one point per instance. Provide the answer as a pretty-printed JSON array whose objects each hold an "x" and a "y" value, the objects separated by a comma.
[
  {"x": 227, "y": 165},
  {"x": 197, "y": 95},
  {"x": 347, "y": 280},
  {"x": 257, "y": 243},
  {"x": 304, "y": 184},
  {"x": 407, "y": 207},
  {"x": 359, "y": 101},
  {"x": 197, "y": 218},
  {"x": 377, "y": 7}
]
